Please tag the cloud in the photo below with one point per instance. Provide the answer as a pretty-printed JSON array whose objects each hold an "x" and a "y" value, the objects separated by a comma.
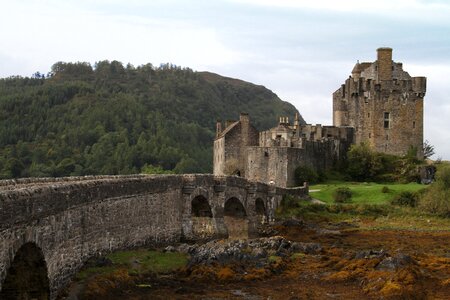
[
  {"x": 65, "y": 33},
  {"x": 302, "y": 50}
]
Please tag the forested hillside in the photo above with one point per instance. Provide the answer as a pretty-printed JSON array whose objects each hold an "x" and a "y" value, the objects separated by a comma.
[{"x": 115, "y": 119}]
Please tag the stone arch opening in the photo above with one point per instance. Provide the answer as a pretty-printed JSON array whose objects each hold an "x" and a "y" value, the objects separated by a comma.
[
  {"x": 260, "y": 210},
  {"x": 200, "y": 207},
  {"x": 235, "y": 219},
  {"x": 234, "y": 208},
  {"x": 202, "y": 218},
  {"x": 27, "y": 277}
]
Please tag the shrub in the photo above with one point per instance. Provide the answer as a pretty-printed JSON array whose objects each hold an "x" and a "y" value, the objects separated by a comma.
[
  {"x": 405, "y": 198},
  {"x": 288, "y": 202},
  {"x": 342, "y": 194},
  {"x": 385, "y": 190},
  {"x": 307, "y": 174},
  {"x": 436, "y": 199}
]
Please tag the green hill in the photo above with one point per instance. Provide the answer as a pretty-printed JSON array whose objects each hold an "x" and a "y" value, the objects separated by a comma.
[{"x": 115, "y": 119}]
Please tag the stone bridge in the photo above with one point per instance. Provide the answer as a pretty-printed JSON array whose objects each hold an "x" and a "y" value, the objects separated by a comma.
[{"x": 49, "y": 227}]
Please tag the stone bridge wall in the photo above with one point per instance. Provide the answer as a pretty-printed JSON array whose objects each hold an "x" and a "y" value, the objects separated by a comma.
[{"x": 72, "y": 219}]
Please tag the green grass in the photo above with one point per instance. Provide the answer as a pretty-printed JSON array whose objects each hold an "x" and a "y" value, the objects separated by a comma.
[
  {"x": 144, "y": 260},
  {"x": 363, "y": 192},
  {"x": 88, "y": 272},
  {"x": 138, "y": 261}
]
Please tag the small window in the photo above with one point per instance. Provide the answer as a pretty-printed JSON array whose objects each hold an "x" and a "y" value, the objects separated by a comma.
[
  {"x": 414, "y": 124},
  {"x": 387, "y": 137},
  {"x": 266, "y": 154},
  {"x": 368, "y": 115},
  {"x": 370, "y": 135},
  {"x": 387, "y": 120}
]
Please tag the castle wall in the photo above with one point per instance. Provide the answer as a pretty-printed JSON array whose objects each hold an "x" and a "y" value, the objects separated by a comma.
[
  {"x": 278, "y": 164},
  {"x": 268, "y": 164}
]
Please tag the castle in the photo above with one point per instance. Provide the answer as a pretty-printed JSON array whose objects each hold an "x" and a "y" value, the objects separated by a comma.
[{"x": 379, "y": 104}]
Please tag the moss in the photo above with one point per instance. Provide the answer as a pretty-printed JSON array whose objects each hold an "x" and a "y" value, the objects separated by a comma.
[
  {"x": 339, "y": 276},
  {"x": 225, "y": 274},
  {"x": 391, "y": 289}
]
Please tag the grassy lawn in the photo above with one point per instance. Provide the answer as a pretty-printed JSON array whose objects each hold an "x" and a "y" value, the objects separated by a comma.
[
  {"x": 144, "y": 260},
  {"x": 362, "y": 192},
  {"x": 137, "y": 262},
  {"x": 369, "y": 207}
]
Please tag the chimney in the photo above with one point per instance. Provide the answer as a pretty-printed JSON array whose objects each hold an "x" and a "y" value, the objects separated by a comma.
[
  {"x": 296, "y": 121},
  {"x": 218, "y": 128},
  {"x": 244, "y": 118},
  {"x": 384, "y": 63}
]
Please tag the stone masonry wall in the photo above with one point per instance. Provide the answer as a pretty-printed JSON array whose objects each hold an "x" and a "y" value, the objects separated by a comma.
[{"x": 278, "y": 164}]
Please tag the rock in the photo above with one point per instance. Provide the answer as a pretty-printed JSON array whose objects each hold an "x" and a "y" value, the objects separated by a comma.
[
  {"x": 323, "y": 231},
  {"x": 293, "y": 223},
  {"x": 259, "y": 253},
  {"x": 398, "y": 261},
  {"x": 99, "y": 262},
  {"x": 170, "y": 249},
  {"x": 103, "y": 262},
  {"x": 186, "y": 248},
  {"x": 371, "y": 254},
  {"x": 239, "y": 250},
  {"x": 307, "y": 248}
]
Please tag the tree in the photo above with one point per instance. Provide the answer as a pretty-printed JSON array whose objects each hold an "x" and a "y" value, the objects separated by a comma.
[{"x": 428, "y": 149}]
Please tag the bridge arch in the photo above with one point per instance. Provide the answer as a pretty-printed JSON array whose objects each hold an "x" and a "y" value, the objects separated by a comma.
[
  {"x": 234, "y": 208},
  {"x": 200, "y": 207},
  {"x": 27, "y": 276},
  {"x": 203, "y": 225},
  {"x": 260, "y": 210},
  {"x": 235, "y": 218}
]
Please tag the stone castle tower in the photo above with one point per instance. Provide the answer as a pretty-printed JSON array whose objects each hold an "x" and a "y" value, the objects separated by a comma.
[{"x": 383, "y": 104}]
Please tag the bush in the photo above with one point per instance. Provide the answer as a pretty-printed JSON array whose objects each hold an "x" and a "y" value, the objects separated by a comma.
[
  {"x": 287, "y": 203},
  {"x": 307, "y": 174},
  {"x": 405, "y": 198},
  {"x": 436, "y": 199},
  {"x": 385, "y": 190},
  {"x": 364, "y": 164},
  {"x": 342, "y": 194}
]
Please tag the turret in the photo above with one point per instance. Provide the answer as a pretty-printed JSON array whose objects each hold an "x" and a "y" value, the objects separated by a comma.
[
  {"x": 384, "y": 63},
  {"x": 419, "y": 86},
  {"x": 356, "y": 72}
]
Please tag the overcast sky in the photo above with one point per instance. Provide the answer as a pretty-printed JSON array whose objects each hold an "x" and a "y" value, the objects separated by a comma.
[{"x": 301, "y": 50}]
